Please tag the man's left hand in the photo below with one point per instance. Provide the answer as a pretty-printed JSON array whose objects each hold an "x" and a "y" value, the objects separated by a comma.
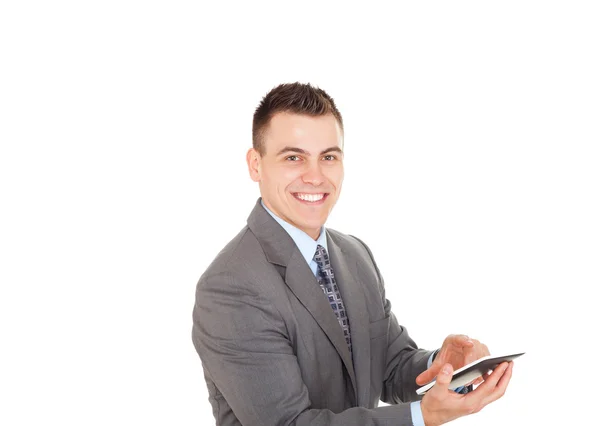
[{"x": 457, "y": 350}]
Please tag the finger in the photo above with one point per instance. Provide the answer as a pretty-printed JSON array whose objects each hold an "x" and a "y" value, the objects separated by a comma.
[
  {"x": 484, "y": 350},
  {"x": 428, "y": 375},
  {"x": 489, "y": 384},
  {"x": 501, "y": 386},
  {"x": 463, "y": 340},
  {"x": 480, "y": 349},
  {"x": 484, "y": 394},
  {"x": 475, "y": 382},
  {"x": 470, "y": 353},
  {"x": 442, "y": 381},
  {"x": 479, "y": 380},
  {"x": 477, "y": 346},
  {"x": 486, "y": 375},
  {"x": 458, "y": 340}
]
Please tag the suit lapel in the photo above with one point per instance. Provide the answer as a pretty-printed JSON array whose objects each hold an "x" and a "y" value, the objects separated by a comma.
[
  {"x": 280, "y": 249},
  {"x": 303, "y": 284},
  {"x": 356, "y": 310}
]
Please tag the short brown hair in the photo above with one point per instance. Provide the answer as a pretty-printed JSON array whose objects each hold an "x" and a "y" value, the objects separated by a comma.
[{"x": 297, "y": 98}]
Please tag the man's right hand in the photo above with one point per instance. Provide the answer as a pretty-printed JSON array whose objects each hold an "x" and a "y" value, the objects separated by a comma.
[{"x": 441, "y": 405}]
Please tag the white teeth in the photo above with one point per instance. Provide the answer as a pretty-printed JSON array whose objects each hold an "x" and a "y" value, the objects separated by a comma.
[{"x": 310, "y": 197}]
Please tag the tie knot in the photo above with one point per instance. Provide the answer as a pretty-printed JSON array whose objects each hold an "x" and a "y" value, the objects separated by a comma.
[{"x": 321, "y": 257}]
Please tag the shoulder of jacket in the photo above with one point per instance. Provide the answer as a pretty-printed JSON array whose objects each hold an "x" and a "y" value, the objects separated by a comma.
[
  {"x": 233, "y": 253},
  {"x": 349, "y": 242}
]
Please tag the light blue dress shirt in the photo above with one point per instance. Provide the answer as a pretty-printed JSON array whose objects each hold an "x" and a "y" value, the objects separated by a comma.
[
  {"x": 308, "y": 247},
  {"x": 304, "y": 242}
]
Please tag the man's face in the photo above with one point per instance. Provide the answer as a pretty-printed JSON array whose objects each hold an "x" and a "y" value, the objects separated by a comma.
[{"x": 301, "y": 172}]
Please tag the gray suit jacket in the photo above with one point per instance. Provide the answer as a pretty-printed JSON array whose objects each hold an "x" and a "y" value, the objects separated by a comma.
[{"x": 272, "y": 350}]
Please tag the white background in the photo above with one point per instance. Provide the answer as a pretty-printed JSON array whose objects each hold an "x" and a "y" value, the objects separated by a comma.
[{"x": 472, "y": 132}]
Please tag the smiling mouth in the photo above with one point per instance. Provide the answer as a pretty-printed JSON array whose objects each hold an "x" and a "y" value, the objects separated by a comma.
[{"x": 310, "y": 198}]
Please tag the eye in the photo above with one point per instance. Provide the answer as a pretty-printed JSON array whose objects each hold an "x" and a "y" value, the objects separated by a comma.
[
  {"x": 292, "y": 158},
  {"x": 329, "y": 157}
]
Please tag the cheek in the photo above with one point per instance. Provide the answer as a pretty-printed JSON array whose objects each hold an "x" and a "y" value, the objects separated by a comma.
[
  {"x": 290, "y": 177},
  {"x": 336, "y": 177},
  {"x": 278, "y": 180}
]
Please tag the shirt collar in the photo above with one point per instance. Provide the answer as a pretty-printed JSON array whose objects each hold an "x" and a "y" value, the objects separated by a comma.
[{"x": 304, "y": 242}]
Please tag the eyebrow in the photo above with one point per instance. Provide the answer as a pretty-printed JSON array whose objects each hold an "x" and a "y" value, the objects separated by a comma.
[{"x": 301, "y": 151}]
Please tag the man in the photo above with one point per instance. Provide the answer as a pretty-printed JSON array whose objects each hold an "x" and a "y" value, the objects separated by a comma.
[{"x": 291, "y": 321}]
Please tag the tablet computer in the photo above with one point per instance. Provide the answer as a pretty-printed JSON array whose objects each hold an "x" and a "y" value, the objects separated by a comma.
[{"x": 471, "y": 371}]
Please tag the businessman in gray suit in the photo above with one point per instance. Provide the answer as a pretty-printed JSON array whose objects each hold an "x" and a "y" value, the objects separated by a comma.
[{"x": 291, "y": 320}]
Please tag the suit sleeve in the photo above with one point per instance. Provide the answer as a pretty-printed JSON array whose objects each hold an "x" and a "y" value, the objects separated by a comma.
[
  {"x": 404, "y": 360},
  {"x": 243, "y": 345}
]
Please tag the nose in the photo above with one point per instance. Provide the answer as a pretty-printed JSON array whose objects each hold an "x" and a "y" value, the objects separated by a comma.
[{"x": 313, "y": 175}]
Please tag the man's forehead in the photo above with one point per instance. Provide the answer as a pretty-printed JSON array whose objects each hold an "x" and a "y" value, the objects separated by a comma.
[{"x": 310, "y": 133}]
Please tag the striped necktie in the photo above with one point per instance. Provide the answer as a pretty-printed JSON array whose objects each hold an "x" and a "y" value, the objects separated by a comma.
[{"x": 326, "y": 280}]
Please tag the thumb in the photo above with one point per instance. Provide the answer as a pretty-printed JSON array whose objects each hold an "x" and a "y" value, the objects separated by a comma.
[
  {"x": 428, "y": 375},
  {"x": 442, "y": 381}
]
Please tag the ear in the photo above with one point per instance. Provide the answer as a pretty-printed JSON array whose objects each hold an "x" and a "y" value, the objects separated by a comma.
[{"x": 253, "y": 160}]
